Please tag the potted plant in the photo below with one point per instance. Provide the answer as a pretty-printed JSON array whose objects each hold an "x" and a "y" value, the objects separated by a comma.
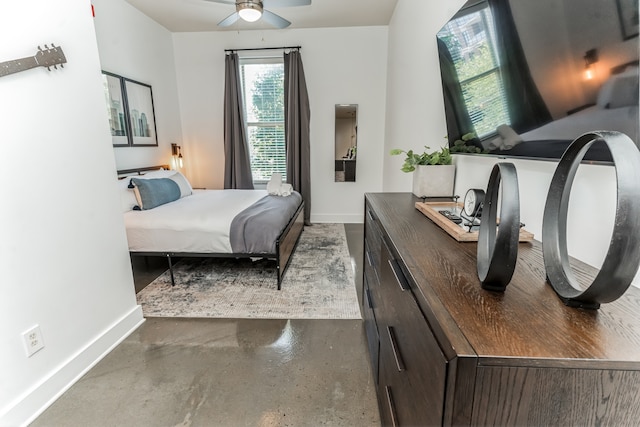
[{"x": 433, "y": 172}]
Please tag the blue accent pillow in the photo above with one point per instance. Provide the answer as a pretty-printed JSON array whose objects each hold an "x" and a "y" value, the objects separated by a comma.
[{"x": 152, "y": 193}]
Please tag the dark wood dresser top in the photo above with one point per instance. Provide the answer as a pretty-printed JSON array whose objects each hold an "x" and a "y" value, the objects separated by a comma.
[{"x": 528, "y": 324}]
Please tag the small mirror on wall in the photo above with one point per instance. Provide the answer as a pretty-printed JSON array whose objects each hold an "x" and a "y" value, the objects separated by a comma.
[{"x": 346, "y": 142}]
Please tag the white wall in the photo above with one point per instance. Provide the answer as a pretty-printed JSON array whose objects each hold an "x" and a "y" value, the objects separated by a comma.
[
  {"x": 63, "y": 251},
  {"x": 415, "y": 116},
  {"x": 134, "y": 46},
  {"x": 342, "y": 66},
  {"x": 414, "y": 111},
  {"x": 591, "y": 206}
]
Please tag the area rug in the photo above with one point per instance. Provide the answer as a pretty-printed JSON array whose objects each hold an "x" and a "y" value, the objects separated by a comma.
[{"x": 318, "y": 284}]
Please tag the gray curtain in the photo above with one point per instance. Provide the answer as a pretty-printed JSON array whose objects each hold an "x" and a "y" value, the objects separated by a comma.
[
  {"x": 237, "y": 167},
  {"x": 297, "y": 117}
]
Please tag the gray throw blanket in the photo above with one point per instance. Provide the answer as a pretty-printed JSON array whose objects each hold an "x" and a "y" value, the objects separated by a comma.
[{"x": 255, "y": 229}]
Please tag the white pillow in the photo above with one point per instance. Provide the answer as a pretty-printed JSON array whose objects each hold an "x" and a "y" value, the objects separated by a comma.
[
  {"x": 183, "y": 183},
  {"x": 619, "y": 90},
  {"x": 604, "y": 94},
  {"x": 625, "y": 92}
]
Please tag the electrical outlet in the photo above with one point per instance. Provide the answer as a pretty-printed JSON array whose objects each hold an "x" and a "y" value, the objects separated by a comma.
[{"x": 33, "y": 340}]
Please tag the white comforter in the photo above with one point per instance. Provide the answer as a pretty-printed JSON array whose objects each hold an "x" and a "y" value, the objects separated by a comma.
[
  {"x": 624, "y": 119},
  {"x": 198, "y": 223}
]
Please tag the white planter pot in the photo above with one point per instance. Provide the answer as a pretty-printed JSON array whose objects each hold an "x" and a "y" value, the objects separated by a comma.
[{"x": 434, "y": 181}]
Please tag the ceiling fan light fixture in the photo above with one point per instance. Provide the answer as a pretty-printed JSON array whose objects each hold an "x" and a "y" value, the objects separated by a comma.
[{"x": 249, "y": 11}]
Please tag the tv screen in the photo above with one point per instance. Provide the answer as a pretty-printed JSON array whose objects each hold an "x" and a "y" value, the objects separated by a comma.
[{"x": 525, "y": 78}]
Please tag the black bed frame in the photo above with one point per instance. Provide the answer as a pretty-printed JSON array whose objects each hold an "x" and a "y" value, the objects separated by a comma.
[{"x": 285, "y": 243}]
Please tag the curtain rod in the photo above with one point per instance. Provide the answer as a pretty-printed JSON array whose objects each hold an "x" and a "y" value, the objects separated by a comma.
[{"x": 264, "y": 48}]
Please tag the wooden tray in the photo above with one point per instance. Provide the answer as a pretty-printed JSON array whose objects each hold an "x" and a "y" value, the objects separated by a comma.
[{"x": 458, "y": 232}]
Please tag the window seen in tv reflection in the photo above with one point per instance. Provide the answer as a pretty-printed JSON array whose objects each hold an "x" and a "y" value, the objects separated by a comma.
[{"x": 470, "y": 40}]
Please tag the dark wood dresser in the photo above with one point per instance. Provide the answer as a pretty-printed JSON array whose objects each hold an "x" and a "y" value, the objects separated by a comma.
[{"x": 446, "y": 352}]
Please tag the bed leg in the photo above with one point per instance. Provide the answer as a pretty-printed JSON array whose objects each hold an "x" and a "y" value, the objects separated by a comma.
[{"x": 173, "y": 282}]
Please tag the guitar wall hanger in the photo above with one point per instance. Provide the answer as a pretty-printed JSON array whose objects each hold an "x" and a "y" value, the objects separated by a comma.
[{"x": 47, "y": 57}]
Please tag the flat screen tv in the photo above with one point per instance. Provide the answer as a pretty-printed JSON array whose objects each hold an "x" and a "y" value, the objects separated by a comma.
[{"x": 525, "y": 78}]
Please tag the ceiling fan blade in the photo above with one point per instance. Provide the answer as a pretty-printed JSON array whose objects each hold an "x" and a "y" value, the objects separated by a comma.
[
  {"x": 222, "y": 1},
  {"x": 275, "y": 20},
  {"x": 285, "y": 3},
  {"x": 231, "y": 19}
]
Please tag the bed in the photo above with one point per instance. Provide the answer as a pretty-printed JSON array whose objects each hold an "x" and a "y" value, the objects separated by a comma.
[
  {"x": 207, "y": 223},
  {"x": 616, "y": 109}
]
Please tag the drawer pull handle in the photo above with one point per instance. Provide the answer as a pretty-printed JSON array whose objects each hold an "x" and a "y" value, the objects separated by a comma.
[
  {"x": 369, "y": 260},
  {"x": 395, "y": 349},
  {"x": 397, "y": 273},
  {"x": 369, "y": 299},
  {"x": 370, "y": 215},
  {"x": 392, "y": 406}
]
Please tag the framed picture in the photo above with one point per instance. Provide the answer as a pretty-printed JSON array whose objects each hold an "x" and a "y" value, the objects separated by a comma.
[
  {"x": 142, "y": 121},
  {"x": 116, "y": 108},
  {"x": 628, "y": 13}
]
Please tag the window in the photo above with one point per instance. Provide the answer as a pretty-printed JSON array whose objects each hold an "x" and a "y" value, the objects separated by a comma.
[
  {"x": 470, "y": 39},
  {"x": 263, "y": 90}
]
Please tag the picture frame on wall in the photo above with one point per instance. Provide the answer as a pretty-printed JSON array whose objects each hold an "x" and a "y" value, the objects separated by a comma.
[
  {"x": 116, "y": 108},
  {"x": 142, "y": 121},
  {"x": 130, "y": 111},
  {"x": 628, "y": 14}
]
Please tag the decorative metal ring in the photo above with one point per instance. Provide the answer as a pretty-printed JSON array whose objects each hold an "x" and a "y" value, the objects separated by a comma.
[
  {"x": 623, "y": 257},
  {"x": 497, "y": 255}
]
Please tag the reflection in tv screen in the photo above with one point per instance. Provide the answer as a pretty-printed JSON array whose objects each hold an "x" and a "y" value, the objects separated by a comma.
[{"x": 525, "y": 79}]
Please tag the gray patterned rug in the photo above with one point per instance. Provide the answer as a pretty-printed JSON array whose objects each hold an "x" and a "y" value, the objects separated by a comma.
[{"x": 318, "y": 284}]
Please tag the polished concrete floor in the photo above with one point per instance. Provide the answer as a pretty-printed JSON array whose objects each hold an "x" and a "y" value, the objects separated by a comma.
[{"x": 229, "y": 372}]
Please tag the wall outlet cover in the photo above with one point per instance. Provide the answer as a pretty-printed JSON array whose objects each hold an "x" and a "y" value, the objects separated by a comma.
[{"x": 33, "y": 341}]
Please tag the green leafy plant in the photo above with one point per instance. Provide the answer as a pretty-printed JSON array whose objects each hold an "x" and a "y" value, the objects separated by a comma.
[{"x": 440, "y": 157}]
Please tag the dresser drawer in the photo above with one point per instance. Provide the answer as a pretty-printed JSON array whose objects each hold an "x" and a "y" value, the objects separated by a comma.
[
  {"x": 413, "y": 369},
  {"x": 412, "y": 366}
]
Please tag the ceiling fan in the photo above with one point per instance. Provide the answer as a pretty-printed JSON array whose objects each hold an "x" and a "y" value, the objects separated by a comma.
[{"x": 252, "y": 10}]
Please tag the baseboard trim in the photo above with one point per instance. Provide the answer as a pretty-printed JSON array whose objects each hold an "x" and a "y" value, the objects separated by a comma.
[{"x": 61, "y": 379}]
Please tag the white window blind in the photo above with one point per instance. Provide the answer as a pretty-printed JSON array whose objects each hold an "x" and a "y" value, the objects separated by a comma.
[
  {"x": 471, "y": 42},
  {"x": 263, "y": 91}
]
